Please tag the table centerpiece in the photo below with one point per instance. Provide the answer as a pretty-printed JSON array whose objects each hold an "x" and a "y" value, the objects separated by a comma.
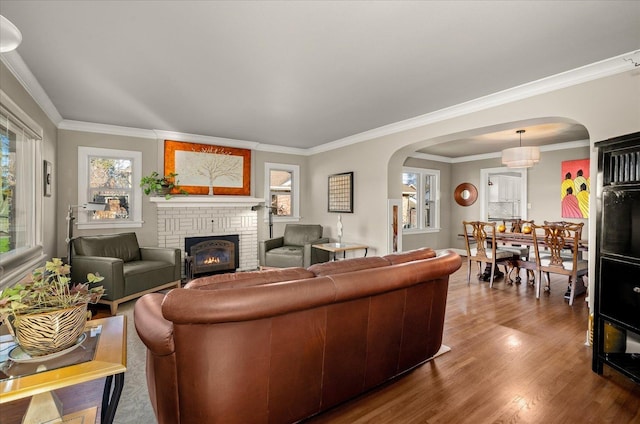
[{"x": 47, "y": 313}]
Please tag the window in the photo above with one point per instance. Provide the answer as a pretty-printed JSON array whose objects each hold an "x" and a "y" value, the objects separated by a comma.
[
  {"x": 282, "y": 190},
  {"x": 420, "y": 199},
  {"x": 20, "y": 192},
  {"x": 109, "y": 177}
]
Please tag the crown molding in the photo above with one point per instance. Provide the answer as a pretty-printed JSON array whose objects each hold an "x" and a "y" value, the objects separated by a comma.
[
  {"x": 204, "y": 139},
  {"x": 492, "y": 155},
  {"x": 92, "y": 127},
  {"x": 604, "y": 68},
  {"x": 156, "y": 134},
  {"x": 13, "y": 61}
]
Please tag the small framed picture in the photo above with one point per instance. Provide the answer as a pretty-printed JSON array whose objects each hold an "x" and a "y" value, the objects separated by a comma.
[
  {"x": 341, "y": 192},
  {"x": 47, "y": 178}
]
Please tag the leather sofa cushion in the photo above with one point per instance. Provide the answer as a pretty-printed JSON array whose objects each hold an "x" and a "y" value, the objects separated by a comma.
[
  {"x": 411, "y": 255},
  {"x": 246, "y": 279},
  {"x": 300, "y": 234},
  {"x": 123, "y": 246},
  {"x": 354, "y": 264}
]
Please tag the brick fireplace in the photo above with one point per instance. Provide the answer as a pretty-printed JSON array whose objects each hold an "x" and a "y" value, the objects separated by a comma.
[{"x": 199, "y": 216}]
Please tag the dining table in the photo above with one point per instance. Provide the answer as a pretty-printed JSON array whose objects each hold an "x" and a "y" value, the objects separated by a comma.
[{"x": 519, "y": 239}]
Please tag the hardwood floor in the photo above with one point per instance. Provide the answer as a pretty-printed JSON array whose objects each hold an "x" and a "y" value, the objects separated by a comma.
[{"x": 513, "y": 359}]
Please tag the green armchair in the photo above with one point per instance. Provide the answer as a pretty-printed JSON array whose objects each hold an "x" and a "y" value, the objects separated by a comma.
[
  {"x": 294, "y": 249},
  {"x": 129, "y": 270}
]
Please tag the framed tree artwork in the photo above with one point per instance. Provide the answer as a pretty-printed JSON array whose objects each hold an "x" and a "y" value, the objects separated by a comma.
[
  {"x": 341, "y": 193},
  {"x": 209, "y": 169}
]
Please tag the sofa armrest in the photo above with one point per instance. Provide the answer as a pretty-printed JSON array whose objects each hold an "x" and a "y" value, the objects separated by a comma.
[
  {"x": 164, "y": 254},
  {"x": 154, "y": 330},
  {"x": 266, "y": 245},
  {"x": 313, "y": 256},
  {"x": 112, "y": 269}
]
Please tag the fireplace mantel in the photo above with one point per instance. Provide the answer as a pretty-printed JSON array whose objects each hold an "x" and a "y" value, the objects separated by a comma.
[{"x": 206, "y": 201}]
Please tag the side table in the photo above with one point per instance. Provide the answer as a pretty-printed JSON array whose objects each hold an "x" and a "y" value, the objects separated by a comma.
[
  {"x": 109, "y": 360},
  {"x": 341, "y": 247}
]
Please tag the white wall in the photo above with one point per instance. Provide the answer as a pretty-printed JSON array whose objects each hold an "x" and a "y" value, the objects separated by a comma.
[{"x": 607, "y": 107}]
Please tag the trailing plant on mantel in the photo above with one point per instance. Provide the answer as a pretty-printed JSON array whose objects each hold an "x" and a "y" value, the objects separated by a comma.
[
  {"x": 160, "y": 185},
  {"x": 50, "y": 289}
]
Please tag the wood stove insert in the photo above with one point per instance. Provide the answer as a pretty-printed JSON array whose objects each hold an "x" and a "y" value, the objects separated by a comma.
[{"x": 211, "y": 255}]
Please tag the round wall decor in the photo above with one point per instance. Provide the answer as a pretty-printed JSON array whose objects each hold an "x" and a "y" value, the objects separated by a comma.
[{"x": 465, "y": 194}]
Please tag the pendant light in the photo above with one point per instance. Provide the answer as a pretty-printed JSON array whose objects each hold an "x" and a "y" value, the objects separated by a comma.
[
  {"x": 10, "y": 36},
  {"x": 521, "y": 156}
]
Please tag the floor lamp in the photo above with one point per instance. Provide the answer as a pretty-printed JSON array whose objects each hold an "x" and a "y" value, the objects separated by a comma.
[
  {"x": 91, "y": 206},
  {"x": 272, "y": 210}
]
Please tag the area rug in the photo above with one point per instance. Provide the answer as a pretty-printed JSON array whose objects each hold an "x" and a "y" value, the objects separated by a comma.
[{"x": 135, "y": 406}]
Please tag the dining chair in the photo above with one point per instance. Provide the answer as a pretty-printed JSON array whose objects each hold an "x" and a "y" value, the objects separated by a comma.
[
  {"x": 483, "y": 235},
  {"x": 559, "y": 238},
  {"x": 521, "y": 251}
]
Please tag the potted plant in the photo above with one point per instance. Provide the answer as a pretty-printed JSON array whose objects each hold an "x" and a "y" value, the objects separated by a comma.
[
  {"x": 48, "y": 313},
  {"x": 160, "y": 185}
]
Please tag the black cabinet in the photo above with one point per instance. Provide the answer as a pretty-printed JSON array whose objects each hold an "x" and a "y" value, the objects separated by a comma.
[{"x": 617, "y": 279}]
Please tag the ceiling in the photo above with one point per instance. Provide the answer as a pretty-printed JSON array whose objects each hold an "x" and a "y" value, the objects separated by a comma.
[
  {"x": 536, "y": 134},
  {"x": 302, "y": 74}
]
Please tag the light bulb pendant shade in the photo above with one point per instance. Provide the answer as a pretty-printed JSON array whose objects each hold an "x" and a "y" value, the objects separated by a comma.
[
  {"x": 10, "y": 35},
  {"x": 521, "y": 157}
]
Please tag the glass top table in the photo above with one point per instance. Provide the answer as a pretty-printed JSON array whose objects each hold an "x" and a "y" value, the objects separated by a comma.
[
  {"x": 341, "y": 247},
  {"x": 109, "y": 359}
]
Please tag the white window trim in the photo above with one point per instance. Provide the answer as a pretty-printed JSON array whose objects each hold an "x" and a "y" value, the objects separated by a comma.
[
  {"x": 295, "y": 190},
  {"x": 82, "y": 221},
  {"x": 15, "y": 265},
  {"x": 423, "y": 172}
]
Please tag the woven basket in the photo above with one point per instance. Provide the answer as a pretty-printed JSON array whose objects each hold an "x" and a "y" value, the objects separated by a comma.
[{"x": 50, "y": 332}]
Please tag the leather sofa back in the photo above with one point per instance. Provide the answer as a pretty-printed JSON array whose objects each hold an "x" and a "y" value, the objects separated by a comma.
[
  {"x": 246, "y": 279},
  {"x": 354, "y": 264},
  {"x": 281, "y": 352},
  {"x": 410, "y": 255}
]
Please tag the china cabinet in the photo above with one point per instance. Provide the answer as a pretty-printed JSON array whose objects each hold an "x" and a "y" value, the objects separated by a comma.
[{"x": 617, "y": 279}]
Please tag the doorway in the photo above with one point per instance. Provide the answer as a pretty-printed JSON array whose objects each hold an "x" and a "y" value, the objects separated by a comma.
[{"x": 503, "y": 193}]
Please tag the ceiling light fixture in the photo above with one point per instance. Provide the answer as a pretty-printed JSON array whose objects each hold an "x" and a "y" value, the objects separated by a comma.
[
  {"x": 10, "y": 36},
  {"x": 521, "y": 157}
]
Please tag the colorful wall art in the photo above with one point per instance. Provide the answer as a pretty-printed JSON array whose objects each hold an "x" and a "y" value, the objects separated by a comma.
[{"x": 574, "y": 188}]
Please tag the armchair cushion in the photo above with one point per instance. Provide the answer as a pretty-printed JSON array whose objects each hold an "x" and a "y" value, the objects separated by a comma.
[
  {"x": 123, "y": 246},
  {"x": 299, "y": 234}
]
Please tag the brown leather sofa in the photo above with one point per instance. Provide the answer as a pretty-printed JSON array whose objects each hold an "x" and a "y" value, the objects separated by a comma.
[{"x": 281, "y": 345}]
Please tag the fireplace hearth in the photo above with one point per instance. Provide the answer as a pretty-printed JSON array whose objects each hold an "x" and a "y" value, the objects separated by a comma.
[{"x": 211, "y": 255}]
